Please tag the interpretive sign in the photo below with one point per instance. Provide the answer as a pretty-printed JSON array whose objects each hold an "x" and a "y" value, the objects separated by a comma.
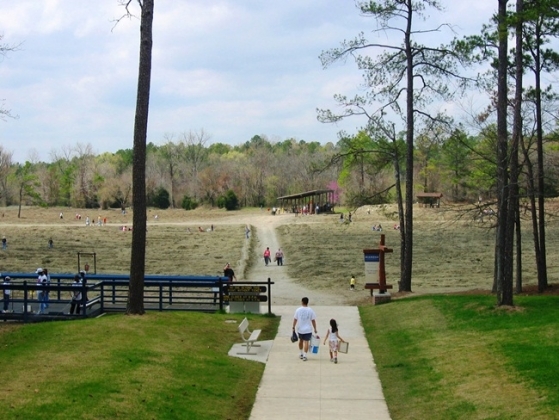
[
  {"x": 372, "y": 260},
  {"x": 246, "y": 289},
  {"x": 245, "y": 298}
]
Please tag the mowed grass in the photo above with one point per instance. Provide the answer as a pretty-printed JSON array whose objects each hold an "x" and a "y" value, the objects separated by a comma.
[
  {"x": 449, "y": 254},
  {"x": 174, "y": 246},
  {"x": 156, "y": 366},
  {"x": 459, "y": 357}
]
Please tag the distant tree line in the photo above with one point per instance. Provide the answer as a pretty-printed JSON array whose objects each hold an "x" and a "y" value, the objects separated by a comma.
[{"x": 186, "y": 171}]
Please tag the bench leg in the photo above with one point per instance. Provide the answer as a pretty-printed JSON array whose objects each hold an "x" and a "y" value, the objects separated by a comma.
[{"x": 249, "y": 346}]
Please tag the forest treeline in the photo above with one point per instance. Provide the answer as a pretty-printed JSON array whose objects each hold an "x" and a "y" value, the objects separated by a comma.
[{"x": 188, "y": 170}]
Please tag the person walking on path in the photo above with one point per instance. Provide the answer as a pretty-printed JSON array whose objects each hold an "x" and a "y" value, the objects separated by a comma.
[
  {"x": 267, "y": 256},
  {"x": 7, "y": 293},
  {"x": 304, "y": 322},
  {"x": 333, "y": 340},
  {"x": 279, "y": 256},
  {"x": 352, "y": 283}
]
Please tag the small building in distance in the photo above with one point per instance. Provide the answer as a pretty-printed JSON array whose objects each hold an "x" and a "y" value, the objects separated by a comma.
[{"x": 432, "y": 199}]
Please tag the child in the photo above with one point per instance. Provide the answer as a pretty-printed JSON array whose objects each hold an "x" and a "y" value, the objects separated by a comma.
[
  {"x": 352, "y": 283},
  {"x": 333, "y": 337}
]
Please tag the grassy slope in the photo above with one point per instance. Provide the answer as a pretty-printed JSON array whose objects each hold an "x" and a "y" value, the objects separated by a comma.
[
  {"x": 458, "y": 357},
  {"x": 161, "y": 365}
]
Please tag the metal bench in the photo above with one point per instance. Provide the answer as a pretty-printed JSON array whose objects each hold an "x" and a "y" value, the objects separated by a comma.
[
  {"x": 253, "y": 336},
  {"x": 381, "y": 287}
]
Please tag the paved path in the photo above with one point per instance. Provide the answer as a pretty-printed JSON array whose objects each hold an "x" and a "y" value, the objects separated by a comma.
[{"x": 317, "y": 388}]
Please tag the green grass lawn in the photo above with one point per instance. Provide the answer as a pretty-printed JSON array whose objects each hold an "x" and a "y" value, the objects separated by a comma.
[
  {"x": 460, "y": 357},
  {"x": 438, "y": 357},
  {"x": 157, "y": 366}
]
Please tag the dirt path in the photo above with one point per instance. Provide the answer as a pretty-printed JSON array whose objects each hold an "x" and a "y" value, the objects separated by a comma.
[{"x": 284, "y": 291}]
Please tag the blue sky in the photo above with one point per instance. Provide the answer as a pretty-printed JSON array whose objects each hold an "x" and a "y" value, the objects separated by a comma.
[{"x": 234, "y": 68}]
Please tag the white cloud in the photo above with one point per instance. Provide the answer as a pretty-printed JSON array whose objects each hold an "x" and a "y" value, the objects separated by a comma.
[{"x": 234, "y": 68}]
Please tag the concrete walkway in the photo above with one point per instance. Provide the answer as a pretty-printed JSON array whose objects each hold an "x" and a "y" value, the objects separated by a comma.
[{"x": 317, "y": 388}]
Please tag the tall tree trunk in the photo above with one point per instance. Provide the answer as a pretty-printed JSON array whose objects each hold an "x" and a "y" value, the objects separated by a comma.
[
  {"x": 541, "y": 259},
  {"x": 503, "y": 275},
  {"x": 138, "y": 259},
  {"x": 514, "y": 201},
  {"x": 405, "y": 281},
  {"x": 533, "y": 207},
  {"x": 401, "y": 220},
  {"x": 518, "y": 251}
]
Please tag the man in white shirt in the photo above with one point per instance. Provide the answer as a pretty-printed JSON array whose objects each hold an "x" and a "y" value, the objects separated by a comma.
[
  {"x": 304, "y": 321},
  {"x": 42, "y": 280}
]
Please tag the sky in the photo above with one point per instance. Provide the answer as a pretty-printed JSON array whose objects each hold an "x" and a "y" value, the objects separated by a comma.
[{"x": 232, "y": 68}]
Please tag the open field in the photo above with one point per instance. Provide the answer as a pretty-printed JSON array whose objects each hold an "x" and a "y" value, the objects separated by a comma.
[
  {"x": 450, "y": 254},
  {"x": 174, "y": 246},
  {"x": 438, "y": 357}
]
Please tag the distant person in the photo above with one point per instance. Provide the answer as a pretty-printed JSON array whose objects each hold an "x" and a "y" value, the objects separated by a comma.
[
  {"x": 349, "y": 217},
  {"x": 76, "y": 296},
  {"x": 51, "y": 243},
  {"x": 41, "y": 292},
  {"x": 352, "y": 283},
  {"x": 247, "y": 232},
  {"x": 334, "y": 339},
  {"x": 267, "y": 256},
  {"x": 341, "y": 217},
  {"x": 61, "y": 215},
  {"x": 87, "y": 221},
  {"x": 4, "y": 243},
  {"x": 83, "y": 279},
  {"x": 304, "y": 322},
  {"x": 7, "y": 293},
  {"x": 279, "y": 256},
  {"x": 104, "y": 221},
  {"x": 229, "y": 273}
]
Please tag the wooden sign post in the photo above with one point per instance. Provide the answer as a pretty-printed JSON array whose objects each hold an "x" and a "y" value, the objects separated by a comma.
[{"x": 374, "y": 263}]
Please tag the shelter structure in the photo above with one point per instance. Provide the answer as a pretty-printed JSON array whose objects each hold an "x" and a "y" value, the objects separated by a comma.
[
  {"x": 432, "y": 199},
  {"x": 321, "y": 201}
]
